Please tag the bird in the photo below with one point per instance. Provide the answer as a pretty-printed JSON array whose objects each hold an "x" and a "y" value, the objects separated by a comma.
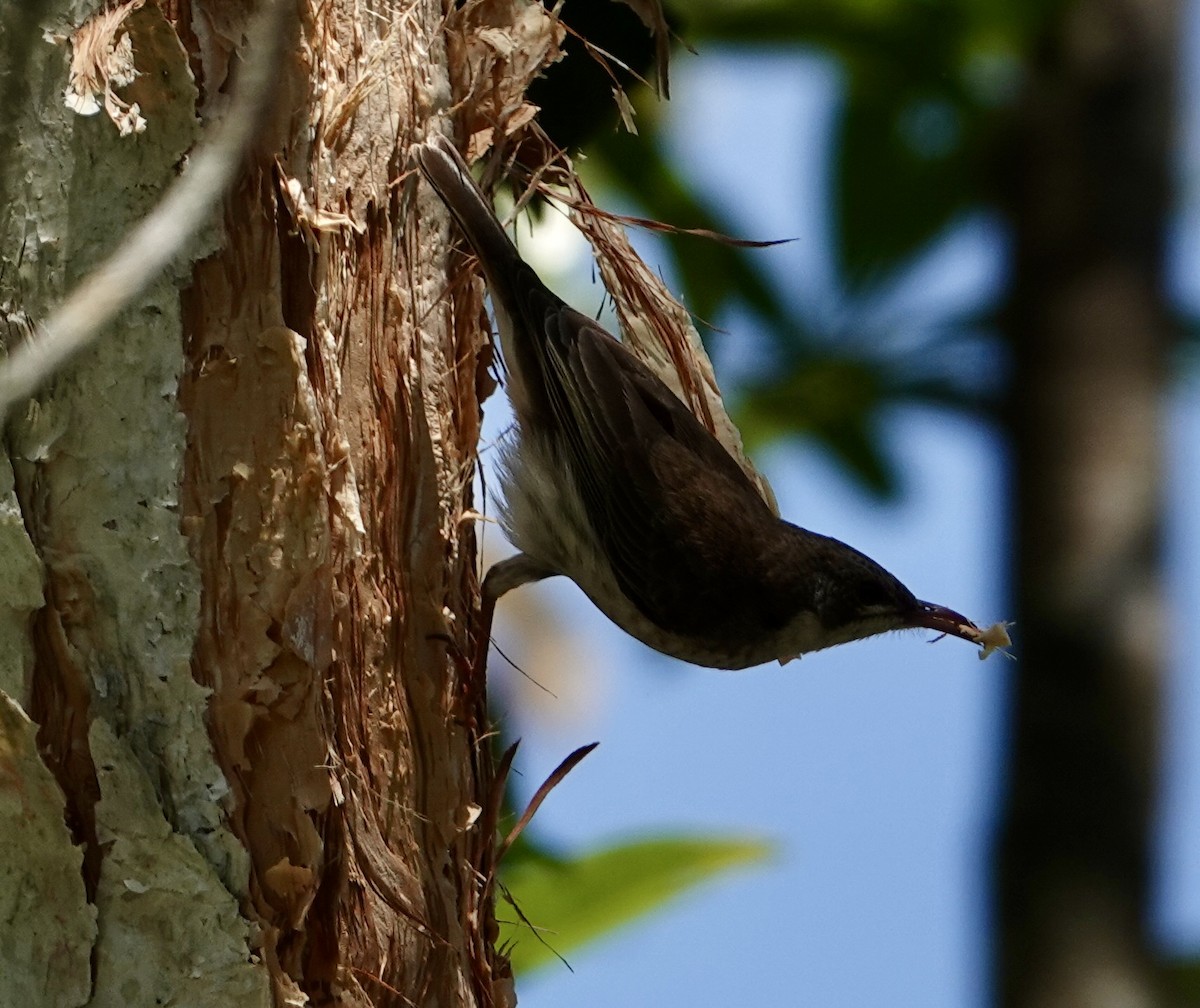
[{"x": 609, "y": 479}]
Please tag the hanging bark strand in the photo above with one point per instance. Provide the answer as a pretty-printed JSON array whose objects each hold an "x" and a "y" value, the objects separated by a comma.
[{"x": 333, "y": 422}]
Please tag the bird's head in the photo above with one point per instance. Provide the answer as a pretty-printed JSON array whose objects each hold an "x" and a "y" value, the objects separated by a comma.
[{"x": 852, "y": 597}]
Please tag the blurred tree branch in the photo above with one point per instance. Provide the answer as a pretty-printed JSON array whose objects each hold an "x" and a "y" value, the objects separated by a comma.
[{"x": 1088, "y": 194}]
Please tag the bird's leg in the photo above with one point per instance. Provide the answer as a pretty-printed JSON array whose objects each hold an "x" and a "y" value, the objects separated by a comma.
[{"x": 500, "y": 579}]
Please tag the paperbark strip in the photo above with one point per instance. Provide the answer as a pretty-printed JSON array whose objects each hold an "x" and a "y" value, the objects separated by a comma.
[{"x": 240, "y": 523}]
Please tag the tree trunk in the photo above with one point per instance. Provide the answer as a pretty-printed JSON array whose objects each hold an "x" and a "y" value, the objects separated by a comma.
[
  {"x": 1087, "y": 320},
  {"x": 238, "y": 563}
]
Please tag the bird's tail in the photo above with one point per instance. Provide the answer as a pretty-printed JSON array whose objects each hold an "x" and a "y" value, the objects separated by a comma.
[{"x": 448, "y": 173}]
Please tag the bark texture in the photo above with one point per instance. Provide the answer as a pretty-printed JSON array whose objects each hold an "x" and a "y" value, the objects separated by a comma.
[
  {"x": 239, "y": 564},
  {"x": 1087, "y": 320}
]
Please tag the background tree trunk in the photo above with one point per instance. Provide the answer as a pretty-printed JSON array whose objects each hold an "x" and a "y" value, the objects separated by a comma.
[
  {"x": 1089, "y": 327},
  {"x": 238, "y": 563}
]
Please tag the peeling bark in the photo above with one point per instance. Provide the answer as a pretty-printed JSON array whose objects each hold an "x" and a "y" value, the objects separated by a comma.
[{"x": 243, "y": 567}]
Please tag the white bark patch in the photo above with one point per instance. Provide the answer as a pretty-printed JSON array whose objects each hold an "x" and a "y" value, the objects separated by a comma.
[
  {"x": 309, "y": 220},
  {"x": 102, "y": 59}
]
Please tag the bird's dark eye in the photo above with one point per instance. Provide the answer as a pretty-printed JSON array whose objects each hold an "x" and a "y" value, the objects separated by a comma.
[
  {"x": 875, "y": 595},
  {"x": 879, "y": 592}
]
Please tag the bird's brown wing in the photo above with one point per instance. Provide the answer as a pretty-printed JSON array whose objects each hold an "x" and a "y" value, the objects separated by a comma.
[{"x": 652, "y": 479}]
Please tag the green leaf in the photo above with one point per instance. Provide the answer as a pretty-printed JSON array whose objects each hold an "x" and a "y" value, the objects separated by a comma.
[
  {"x": 574, "y": 901},
  {"x": 834, "y": 399},
  {"x": 912, "y": 138},
  {"x": 904, "y": 172}
]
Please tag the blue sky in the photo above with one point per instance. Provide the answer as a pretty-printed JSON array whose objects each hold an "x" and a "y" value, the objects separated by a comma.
[{"x": 873, "y": 768}]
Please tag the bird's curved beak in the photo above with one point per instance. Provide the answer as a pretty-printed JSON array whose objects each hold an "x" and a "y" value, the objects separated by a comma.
[{"x": 946, "y": 621}]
